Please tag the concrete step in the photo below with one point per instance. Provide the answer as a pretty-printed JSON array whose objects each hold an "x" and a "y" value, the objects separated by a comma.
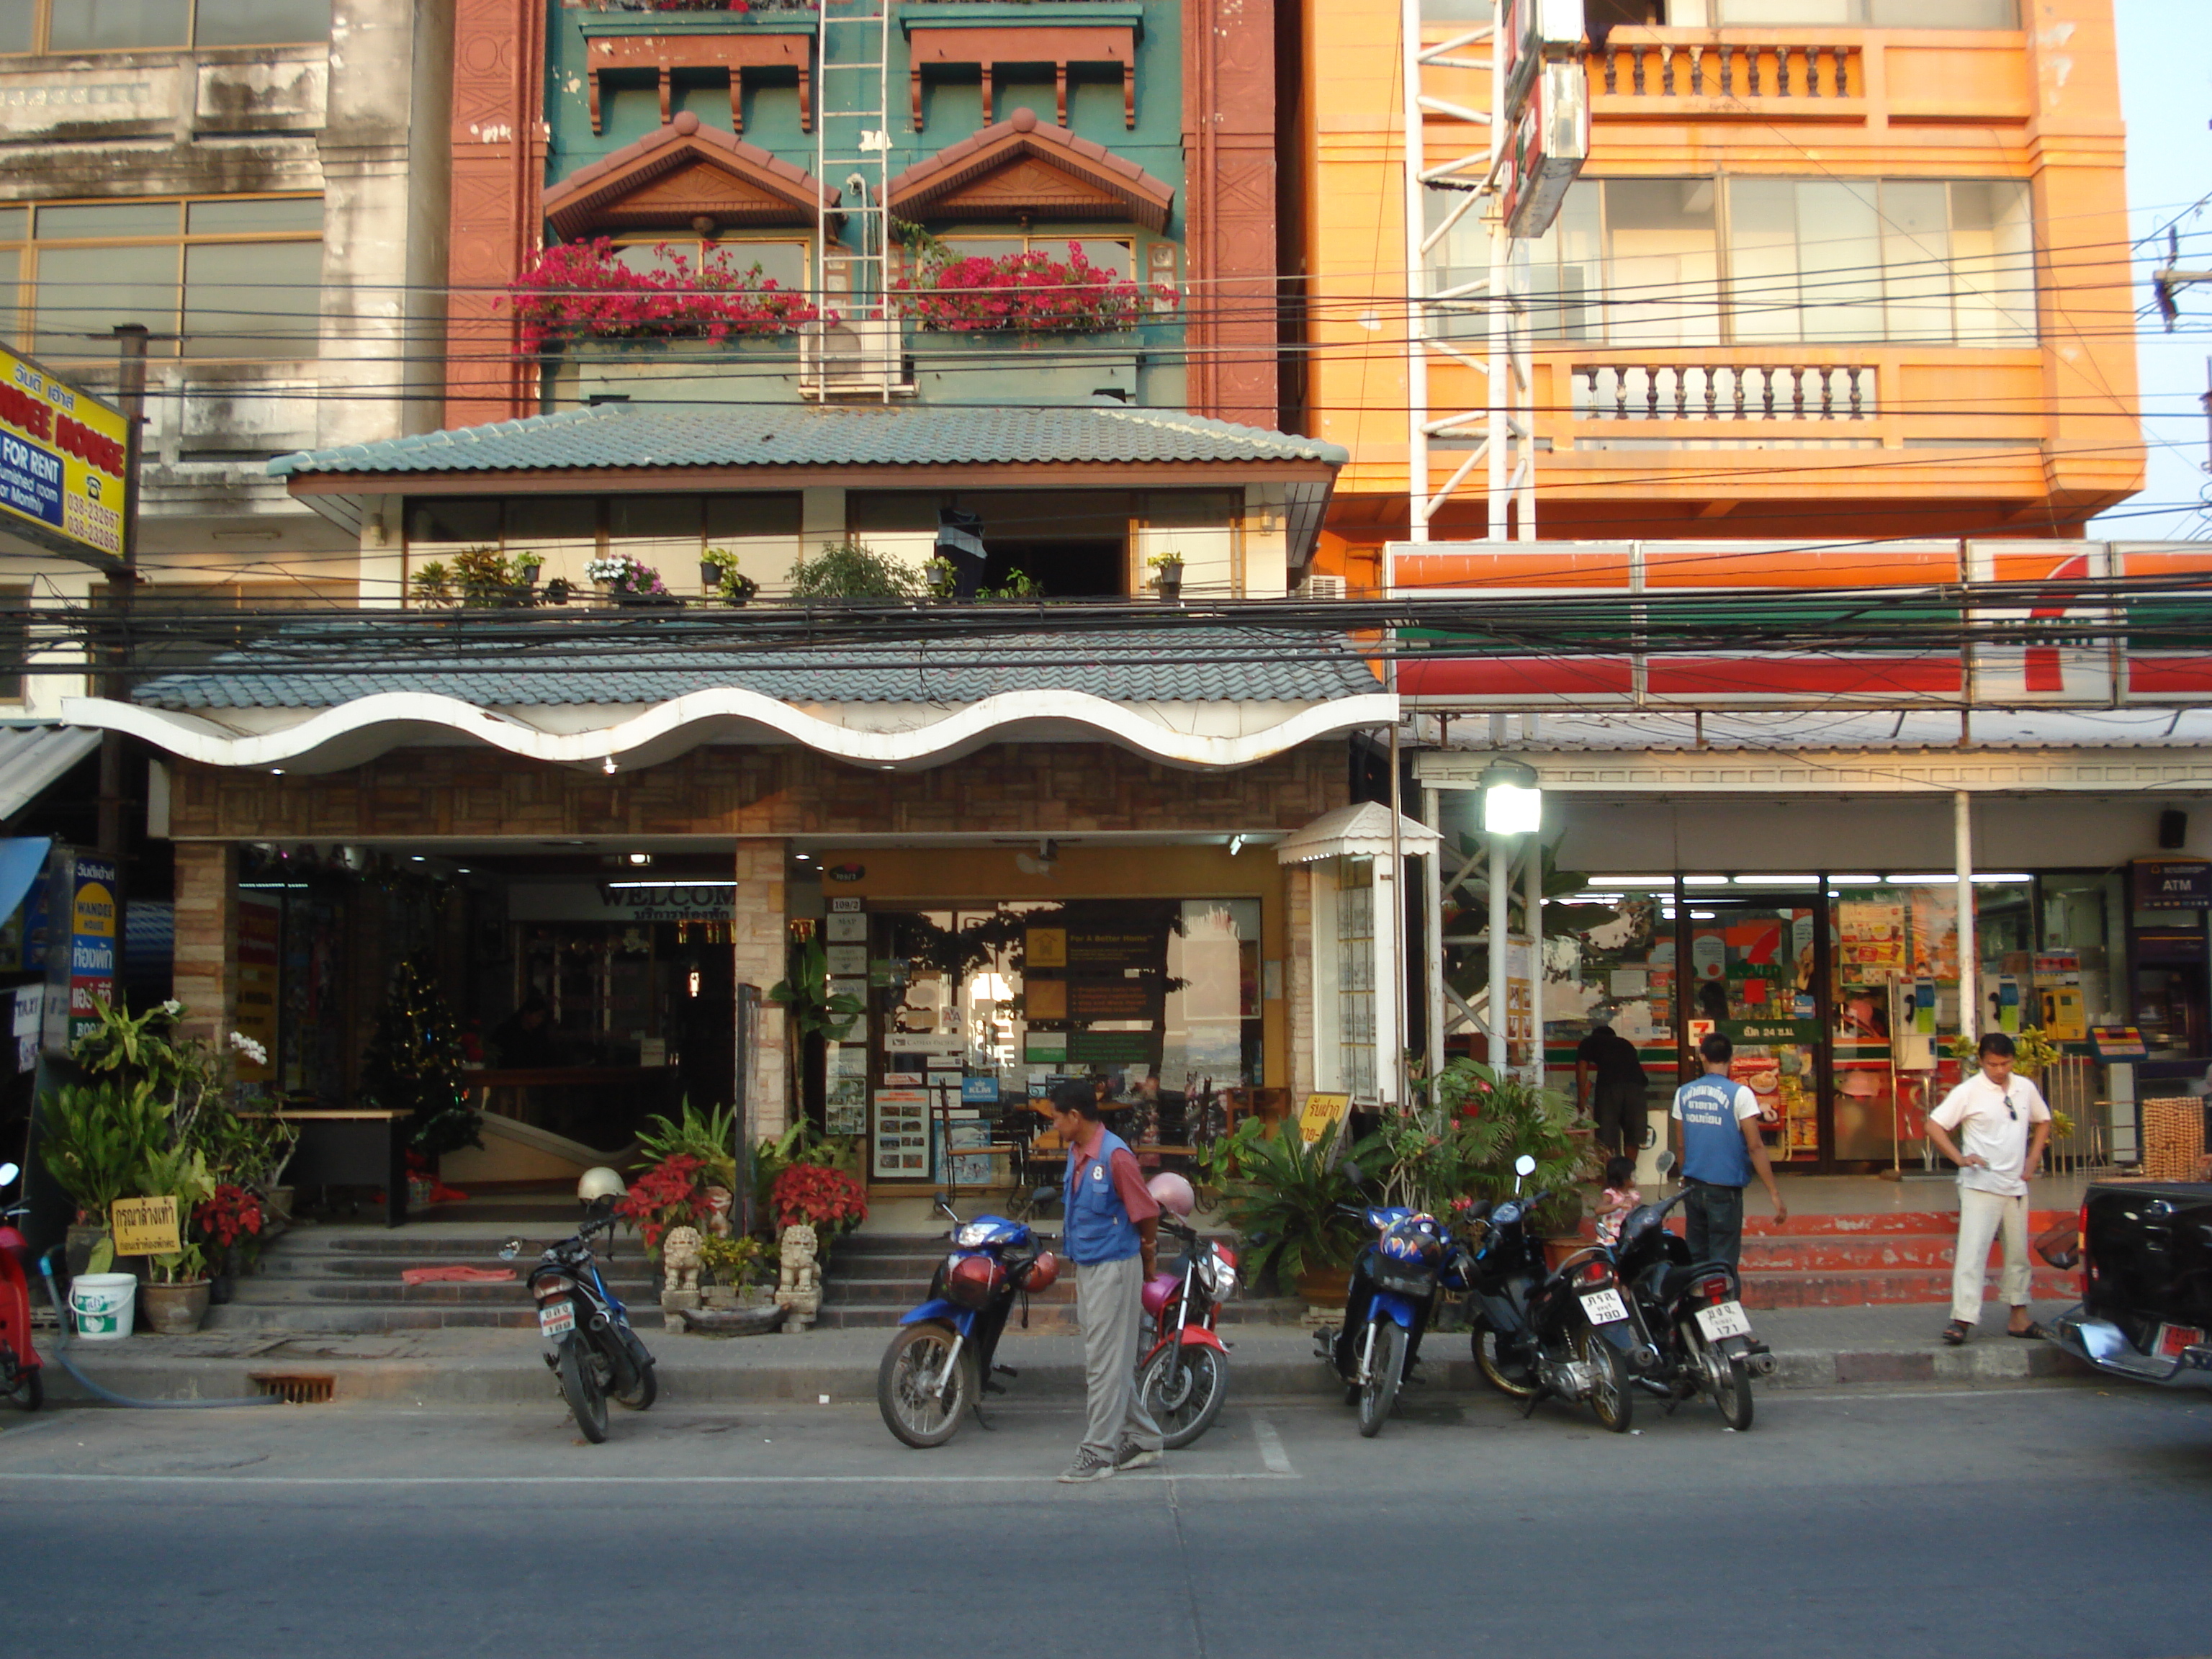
[{"x": 1872, "y": 1289}]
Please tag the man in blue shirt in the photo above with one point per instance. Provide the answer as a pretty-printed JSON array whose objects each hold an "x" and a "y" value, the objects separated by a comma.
[
  {"x": 1721, "y": 1148},
  {"x": 1112, "y": 1238}
]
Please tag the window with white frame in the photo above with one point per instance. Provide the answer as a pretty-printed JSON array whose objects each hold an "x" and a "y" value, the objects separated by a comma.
[
  {"x": 1721, "y": 261},
  {"x": 782, "y": 260},
  {"x": 229, "y": 277},
  {"x": 1355, "y": 976}
]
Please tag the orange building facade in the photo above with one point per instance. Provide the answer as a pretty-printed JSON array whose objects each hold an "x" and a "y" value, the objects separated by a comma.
[{"x": 1833, "y": 280}]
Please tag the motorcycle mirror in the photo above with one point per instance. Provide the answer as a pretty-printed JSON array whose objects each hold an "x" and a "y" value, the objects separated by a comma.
[
  {"x": 945, "y": 1209},
  {"x": 511, "y": 1250},
  {"x": 1352, "y": 1169},
  {"x": 1665, "y": 1161},
  {"x": 1044, "y": 1195},
  {"x": 8, "y": 1173},
  {"x": 1524, "y": 1166}
]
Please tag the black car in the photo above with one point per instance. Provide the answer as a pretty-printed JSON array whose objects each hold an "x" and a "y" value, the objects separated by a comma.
[{"x": 2146, "y": 1256}]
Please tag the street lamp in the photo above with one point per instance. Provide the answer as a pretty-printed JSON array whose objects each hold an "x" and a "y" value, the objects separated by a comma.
[{"x": 1512, "y": 805}]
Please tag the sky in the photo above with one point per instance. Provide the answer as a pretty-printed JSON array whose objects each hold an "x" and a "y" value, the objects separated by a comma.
[{"x": 2166, "y": 92}]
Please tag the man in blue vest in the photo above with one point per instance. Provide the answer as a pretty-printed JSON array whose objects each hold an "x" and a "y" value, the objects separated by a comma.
[
  {"x": 1111, "y": 1236},
  {"x": 1721, "y": 1148}
]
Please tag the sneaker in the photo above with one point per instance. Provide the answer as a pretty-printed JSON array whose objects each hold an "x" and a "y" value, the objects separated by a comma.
[
  {"x": 1131, "y": 1456},
  {"x": 1088, "y": 1466}
]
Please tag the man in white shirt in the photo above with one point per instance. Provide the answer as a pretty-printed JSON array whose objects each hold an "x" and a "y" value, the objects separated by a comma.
[{"x": 2003, "y": 1126}]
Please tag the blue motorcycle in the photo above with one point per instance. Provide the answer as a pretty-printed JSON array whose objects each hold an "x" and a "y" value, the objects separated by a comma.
[
  {"x": 1395, "y": 1281},
  {"x": 939, "y": 1367}
]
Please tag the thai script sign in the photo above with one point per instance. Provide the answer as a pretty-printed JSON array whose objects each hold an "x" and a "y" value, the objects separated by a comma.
[{"x": 63, "y": 462}]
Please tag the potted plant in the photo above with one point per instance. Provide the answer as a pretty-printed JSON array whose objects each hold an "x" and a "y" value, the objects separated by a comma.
[
  {"x": 1167, "y": 575},
  {"x": 176, "y": 1298},
  {"x": 733, "y": 1265},
  {"x": 1028, "y": 292},
  {"x": 828, "y": 1200},
  {"x": 228, "y": 1227},
  {"x": 629, "y": 582},
  {"x": 671, "y": 1194},
  {"x": 1286, "y": 1199},
  {"x": 1498, "y": 1116},
  {"x": 852, "y": 570},
  {"x": 719, "y": 575},
  {"x": 413, "y": 1064},
  {"x": 578, "y": 292}
]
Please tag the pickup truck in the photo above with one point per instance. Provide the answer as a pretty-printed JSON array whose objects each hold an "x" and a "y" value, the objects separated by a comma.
[{"x": 2146, "y": 1257}]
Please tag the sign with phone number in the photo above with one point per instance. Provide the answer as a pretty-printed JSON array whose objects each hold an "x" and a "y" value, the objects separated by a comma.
[{"x": 63, "y": 462}]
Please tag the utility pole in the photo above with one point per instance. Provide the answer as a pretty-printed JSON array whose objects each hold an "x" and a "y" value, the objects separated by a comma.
[{"x": 122, "y": 585}]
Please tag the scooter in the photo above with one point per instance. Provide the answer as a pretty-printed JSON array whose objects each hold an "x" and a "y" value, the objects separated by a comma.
[
  {"x": 939, "y": 1367},
  {"x": 1691, "y": 1313},
  {"x": 1394, "y": 1280},
  {"x": 1184, "y": 1376},
  {"x": 1541, "y": 1333},
  {"x": 590, "y": 1347},
  {"x": 22, "y": 1383}
]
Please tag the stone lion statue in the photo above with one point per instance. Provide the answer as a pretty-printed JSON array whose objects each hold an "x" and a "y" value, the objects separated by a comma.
[
  {"x": 679, "y": 1262},
  {"x": 798, "y": 1281}
]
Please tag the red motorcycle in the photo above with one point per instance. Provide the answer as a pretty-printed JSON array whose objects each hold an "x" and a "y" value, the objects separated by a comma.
[
  {"x": 1184, "y": 1376},
  {"x": 20, "y": 1382}
]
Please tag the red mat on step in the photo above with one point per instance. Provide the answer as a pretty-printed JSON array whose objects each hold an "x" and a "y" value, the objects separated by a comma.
[{"x": 456, "y": 1275}]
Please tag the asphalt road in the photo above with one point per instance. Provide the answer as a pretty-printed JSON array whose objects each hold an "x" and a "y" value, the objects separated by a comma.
[{"x": 2024, "y": 1521}]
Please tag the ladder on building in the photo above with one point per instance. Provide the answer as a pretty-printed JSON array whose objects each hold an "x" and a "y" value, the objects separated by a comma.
[{"x": 860, "y": 355}]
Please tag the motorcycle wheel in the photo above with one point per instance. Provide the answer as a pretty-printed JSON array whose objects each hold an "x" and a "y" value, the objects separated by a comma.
[
  {"x": 29, "y": 1392},
  {"x": 1732, "y": 1392},
  {"x": 1504, "y": 1370},
  {"x": 1380, "y": 1392},
  {"x": 1611, "y": 1398},
  {"x": 580, "y": 1387},
  {"x": 917, "y": 1354},
  {"x": 647, "y": 1390},
  {"x": 1184, "y": 1388}
]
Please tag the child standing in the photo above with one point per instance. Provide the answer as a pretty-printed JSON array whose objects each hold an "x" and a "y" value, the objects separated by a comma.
[{"x": 1618, "y": 1198}]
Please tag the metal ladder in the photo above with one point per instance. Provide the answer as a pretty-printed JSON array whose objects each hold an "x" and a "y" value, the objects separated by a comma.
[{"x": 852, "y": 151}]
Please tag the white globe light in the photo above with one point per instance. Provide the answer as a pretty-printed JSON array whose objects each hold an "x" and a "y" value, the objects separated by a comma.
[{"x": 1507, "y": 809}]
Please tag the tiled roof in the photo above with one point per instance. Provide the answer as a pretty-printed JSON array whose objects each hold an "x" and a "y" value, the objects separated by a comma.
[
  {"x": 656, "y": 435},
  {"x": 1784, "y": 734},
  {"x": 1211, "y": 665}
]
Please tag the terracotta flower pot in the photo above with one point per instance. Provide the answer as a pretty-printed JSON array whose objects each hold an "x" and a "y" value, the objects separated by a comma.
[
  {"x": 174, "y": 1309},
  {"x": 1325, "y": 1287},
  {"x": 1560, "y": 1246}
]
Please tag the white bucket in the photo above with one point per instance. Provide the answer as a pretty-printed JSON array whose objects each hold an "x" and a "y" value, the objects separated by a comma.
[{"x": 103, "y": 1304}]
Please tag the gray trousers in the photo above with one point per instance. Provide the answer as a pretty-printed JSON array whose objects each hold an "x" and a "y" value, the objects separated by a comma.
[{"x": 1108, "y": 1304}]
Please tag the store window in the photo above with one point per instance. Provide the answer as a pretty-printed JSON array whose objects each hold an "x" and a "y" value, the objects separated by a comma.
[
  {"x": 236, "y": 277},
  {"x": 1706, "y": 261},
  {"x": 137, "y": 25}
]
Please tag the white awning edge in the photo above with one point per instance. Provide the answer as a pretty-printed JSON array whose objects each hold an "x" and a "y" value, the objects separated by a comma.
[
  {"x": 1362, "y": 830},
  {"x": 33, "y": 758}
]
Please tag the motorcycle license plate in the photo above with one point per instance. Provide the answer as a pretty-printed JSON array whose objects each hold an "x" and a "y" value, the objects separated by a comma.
[
  {"x": 556, "y": 1318},
  {"x": 1605, "y": 1307},
  {"x": 1723, "y": 1319}
]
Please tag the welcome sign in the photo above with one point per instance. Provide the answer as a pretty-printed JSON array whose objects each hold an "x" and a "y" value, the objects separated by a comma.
[{"x": 63, "y": 462}]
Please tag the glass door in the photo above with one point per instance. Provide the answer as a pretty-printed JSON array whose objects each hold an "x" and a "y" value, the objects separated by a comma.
[{"x": 1754, "y": 969}]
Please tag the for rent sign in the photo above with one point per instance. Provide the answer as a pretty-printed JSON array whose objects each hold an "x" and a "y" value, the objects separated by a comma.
[{"x": 63, "y": 462}]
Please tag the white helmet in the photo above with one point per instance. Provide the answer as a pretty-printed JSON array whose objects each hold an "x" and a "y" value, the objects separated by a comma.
[
  {"x": 599, "y": 1183},
  {"x": 1172, "y": 1192}
]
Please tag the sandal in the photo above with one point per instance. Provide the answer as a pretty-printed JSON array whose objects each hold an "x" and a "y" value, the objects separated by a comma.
[
  {"x": 2034, "y": 1333},
  {"x": 1957, "y": 1331}
]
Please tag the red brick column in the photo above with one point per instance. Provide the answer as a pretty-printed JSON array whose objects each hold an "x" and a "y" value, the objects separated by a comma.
[
  {"x": 498, "y": 178},
  {"x": 206, "y": 975},
  {"x": 1298, "y": 979},
  {"x": 1229, "y": 207}
]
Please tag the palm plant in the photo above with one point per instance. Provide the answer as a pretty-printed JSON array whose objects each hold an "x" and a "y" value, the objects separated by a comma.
[{"x": 1289, "y": 1200}]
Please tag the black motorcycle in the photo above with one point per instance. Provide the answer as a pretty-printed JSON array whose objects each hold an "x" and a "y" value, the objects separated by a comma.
[
  {"x": 589, "y": 1345},
  {"x": 1543, "y": 1333},
  {"x": 1691, "y": 1313}
]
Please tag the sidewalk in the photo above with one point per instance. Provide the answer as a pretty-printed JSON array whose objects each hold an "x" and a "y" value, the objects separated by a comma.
[{"x": 1818, "y": 1347}]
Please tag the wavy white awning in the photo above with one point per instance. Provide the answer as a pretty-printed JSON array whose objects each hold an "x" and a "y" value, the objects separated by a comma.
[{"x": 331, "y": 739}]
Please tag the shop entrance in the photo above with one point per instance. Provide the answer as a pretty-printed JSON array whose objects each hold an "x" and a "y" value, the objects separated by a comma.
[{"x": 1755, "y": 966}]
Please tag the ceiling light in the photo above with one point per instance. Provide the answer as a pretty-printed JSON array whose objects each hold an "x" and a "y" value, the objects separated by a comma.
[
  {"x": 1777, "y": 881},
  {"x": 608, "y": 766},
  {"x": 1236, "y": 845},
  {"x": 1705, "y": 881},
  {"x": 663, "y": 886},
  {"x": 418, "y": 858},
  {"x": 641, "y": 858},
  {"x": 804, "y": 857}
]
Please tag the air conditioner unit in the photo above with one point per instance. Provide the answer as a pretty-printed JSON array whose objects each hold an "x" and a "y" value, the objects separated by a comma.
[
  {"x": 854, "y": 357},
  {"x": 1318, "y": 586}
]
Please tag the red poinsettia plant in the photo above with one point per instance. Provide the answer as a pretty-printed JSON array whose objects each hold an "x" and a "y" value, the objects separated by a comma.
[
  {"x": 1030, "y": 292},
  {"x": 228, "y": 1223},
  {"x": 828, "y": 1200},
  {"x": 671, "y": 1194},
  {"x": 582, "y": 291}
]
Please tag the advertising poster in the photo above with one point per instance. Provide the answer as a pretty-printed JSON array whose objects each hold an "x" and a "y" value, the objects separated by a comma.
[
  {"x": 901, "y": 1141},
  {"x": 86, "y": 913},
  {"x": 63, "y": 461}
]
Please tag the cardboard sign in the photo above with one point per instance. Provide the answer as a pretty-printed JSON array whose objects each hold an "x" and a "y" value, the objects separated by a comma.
[
  {"x": 2117, "y": 1042},
  {"x": 1318, "y": 1113},
  {"x": 145, "y": 1226}
]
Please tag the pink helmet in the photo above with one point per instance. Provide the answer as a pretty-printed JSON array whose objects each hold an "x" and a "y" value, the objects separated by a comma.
[{"x": 1172, "y": 1193}]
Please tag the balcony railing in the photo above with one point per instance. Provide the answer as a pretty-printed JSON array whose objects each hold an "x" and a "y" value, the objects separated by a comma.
[
  {"x": 1723, "y": 392},
  {"x": 1705, "y": 68}
]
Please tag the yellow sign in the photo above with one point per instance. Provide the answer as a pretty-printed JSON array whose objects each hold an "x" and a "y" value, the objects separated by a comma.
[
  {"x": 63, "y": 461},
  {"x": 146, "y": 1226},
  {"x": 1319, "y": 1112},
  {"x": 1045, "y": 947}
]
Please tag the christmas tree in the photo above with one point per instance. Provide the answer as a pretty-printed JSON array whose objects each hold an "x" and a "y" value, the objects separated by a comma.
[{"x": 413, "y": 1064}]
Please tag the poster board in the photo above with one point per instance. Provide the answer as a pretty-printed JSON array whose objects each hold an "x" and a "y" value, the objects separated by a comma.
[{"x": 64, "y": 461}]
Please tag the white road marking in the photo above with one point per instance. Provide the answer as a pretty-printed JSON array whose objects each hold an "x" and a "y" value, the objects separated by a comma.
[
  {"x": 58, "y": 1477},
  {"x": 1271, "y": 1447}
]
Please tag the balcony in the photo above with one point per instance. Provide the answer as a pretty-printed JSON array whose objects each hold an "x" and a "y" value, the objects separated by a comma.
[
  {"x": 1734, "y": 74},
  {"x": 1722, "y": 391}
]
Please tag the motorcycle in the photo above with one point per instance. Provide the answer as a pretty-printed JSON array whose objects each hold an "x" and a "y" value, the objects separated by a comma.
[
  {"x": 20, "y": 1380},
  {"x": 590, "y": 1347},
  {"x": 1394, "y": 1280},
  {"x": 937, "y": 1367},
  {"x": 1184, "y": 1376},
  {"x": 1538, "y": 1332},
  {"x": 1691, "y": 1313}
]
